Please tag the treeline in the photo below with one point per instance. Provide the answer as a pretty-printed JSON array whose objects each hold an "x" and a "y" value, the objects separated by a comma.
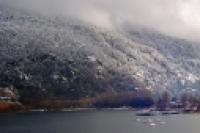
[
  {"x": 190, "y": 101},
  {"x": 137, "y": 99},
  {"x": 141, "y": 98},
  {"x": 53, "y": 104},
  {"x": 109, "y": 99},
  {"x": 187, "y": 101},
  {"x": 11, "y": 106}
]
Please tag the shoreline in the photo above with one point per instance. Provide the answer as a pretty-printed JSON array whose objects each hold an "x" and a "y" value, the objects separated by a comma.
[{"x": 148, "y": 113}]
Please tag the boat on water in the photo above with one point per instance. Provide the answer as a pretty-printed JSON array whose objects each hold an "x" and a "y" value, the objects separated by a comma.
[
  {"x": 156, "y": 113},
  {"x": 38, "y": 110},
  {"x": 148, "y": 113},
  {"x": 152, "y": 124}
]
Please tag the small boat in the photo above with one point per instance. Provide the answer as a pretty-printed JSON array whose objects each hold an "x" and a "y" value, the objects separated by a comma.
[
  {"x": 138, "y": 119},
  {"x": 152, "y": 124},
  {"x": 148, "y": 121},
  {"x": 148, "y": 113},
  {"x": 38, "y": 110}
]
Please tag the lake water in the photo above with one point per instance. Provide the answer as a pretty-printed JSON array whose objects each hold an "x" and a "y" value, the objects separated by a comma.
[{"x": 97, "y": 122}]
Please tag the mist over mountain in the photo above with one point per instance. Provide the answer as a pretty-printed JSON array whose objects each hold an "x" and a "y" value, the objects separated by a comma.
[
  {"x": 178, "y": 18},
  {"x": 51, "y": 56}
]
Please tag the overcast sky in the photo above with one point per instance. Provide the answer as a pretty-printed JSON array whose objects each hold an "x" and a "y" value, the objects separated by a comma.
[{"x": 174, "y": 17}]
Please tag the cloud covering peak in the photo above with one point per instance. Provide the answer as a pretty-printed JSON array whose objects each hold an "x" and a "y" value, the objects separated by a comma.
[{"x": 174, "y": 17}]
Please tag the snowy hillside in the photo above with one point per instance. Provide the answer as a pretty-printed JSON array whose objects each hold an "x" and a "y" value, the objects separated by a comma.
[{"x": 64, "y": 57}]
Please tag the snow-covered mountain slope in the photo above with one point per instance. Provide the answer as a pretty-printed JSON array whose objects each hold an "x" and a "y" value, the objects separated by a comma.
[{"x": 65, "y": 57}]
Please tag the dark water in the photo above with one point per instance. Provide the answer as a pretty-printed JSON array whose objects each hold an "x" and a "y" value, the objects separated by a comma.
[{"x": 97, "y": 122}]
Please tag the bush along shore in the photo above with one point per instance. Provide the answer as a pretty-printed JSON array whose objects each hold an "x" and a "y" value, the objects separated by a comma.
[{"x": 132, "y": 100}]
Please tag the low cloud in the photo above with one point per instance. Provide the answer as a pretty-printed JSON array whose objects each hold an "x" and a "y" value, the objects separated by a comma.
[{"x": 175, "y": 17}]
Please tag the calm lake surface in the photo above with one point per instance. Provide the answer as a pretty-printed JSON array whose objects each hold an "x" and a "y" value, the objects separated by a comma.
[{"x": 97, "y": 122}]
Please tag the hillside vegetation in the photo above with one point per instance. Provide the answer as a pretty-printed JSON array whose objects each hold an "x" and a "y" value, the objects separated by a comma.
[{"x": 49, "y": 59}]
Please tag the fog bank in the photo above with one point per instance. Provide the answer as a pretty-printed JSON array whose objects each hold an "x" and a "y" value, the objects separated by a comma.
[{"x": 174, "y": 17}]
